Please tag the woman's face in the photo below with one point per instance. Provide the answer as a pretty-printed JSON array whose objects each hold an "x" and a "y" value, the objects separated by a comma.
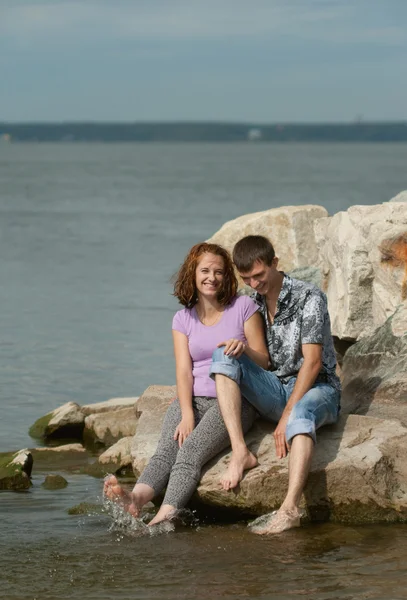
[{"x": 209, "y": 275}]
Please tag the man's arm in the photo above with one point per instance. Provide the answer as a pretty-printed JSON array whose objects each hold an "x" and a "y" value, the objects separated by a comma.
[{"x": 305, "y": 380}]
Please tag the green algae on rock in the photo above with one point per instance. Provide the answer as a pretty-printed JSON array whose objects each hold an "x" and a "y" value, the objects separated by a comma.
[
  {"x": 15, "y": 470},
  {"x": 54, "y": 482}
]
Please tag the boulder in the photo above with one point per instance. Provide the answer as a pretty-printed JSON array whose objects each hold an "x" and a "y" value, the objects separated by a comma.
[
  {"x": 54, "y": 482},
  {"x": 106, "y": 428},
  {"x": 15, "y": 470},
  {"x": 375, "y": 371},
  {"x": 358, "y": 474},
  {"x": 363, "y": 261},
  {"x": 117, "y": 457},
  {"x": 359, "y": 471},
  {"x": 109, "y": 405},
  {"x": 289, "y": 228},
  {"x": 67, "y": 421},
  {"x": 151, "y": 407}
]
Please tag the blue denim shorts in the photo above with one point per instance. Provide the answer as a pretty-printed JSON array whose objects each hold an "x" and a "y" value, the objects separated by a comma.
[{"x": 269, "y": 396}]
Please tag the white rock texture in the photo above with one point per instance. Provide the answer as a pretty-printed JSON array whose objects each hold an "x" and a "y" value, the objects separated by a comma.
[
  {"x": 108, "y": 427},
  {"x": 289, "y": 228},
  {"x": 362, "y": 254}
]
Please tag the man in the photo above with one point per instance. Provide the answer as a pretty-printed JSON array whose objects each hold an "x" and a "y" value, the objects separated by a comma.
[{"x": 300, "y": 392}]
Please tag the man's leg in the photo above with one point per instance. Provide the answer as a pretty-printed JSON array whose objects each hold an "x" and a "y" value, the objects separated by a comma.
[
  {"x": 318, "y": 407},
  {"x": 261, "y": 388}
]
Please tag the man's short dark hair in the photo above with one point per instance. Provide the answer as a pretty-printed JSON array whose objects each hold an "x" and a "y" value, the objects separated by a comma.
[{"x": 250, "y": 249}]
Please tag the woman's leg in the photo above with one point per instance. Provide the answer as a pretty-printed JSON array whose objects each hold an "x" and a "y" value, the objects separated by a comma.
[
  {"x": 155, "y": 476},
  {"x": 208, "y": 438}
]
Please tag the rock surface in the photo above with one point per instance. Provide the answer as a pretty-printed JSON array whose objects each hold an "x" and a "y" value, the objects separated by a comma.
[
  {"x": 67, "y": 421},
  {"x": 401, "y": 197},
  {"x": 107, "y": 428},
  {"x": 375, "y": 371},
  {"x": 54, "y": 482},
  {"x": 289, "y": 228},
  {"x": 109, "y": 406},
  {"x": 117, "y": 457},
  {"x": 69, "y": 457},
  {"x": 359, "y": 472},
  {"x": 361, "y": 259},
  {"x": 15, "y": 470},
  {"x": 152, "y": 407}
]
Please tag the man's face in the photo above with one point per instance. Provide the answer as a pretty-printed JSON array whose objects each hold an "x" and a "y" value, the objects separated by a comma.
[{"x": 261, "y": 277}]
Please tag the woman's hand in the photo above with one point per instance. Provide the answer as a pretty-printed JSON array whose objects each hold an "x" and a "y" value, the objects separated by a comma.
[
  {"x": 184, "y": 429},
  {"x": 233, "y": 347}
]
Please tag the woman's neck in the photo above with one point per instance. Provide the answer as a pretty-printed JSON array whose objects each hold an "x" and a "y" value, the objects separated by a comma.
[{"x": 208, "y": 306}]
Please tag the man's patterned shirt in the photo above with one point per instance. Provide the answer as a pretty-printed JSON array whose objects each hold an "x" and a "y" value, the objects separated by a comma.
[{"x": 301, "y": 318}]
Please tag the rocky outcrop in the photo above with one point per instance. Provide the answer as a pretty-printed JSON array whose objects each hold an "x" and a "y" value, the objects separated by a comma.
[
  {"x": 67, "y": 421},
  {"x": 375, "y": 371},
  {"x": 289, "y": 228},
  {"x": 359, "y": 471},
  {"x": 361, "y": 259},
  {"x": 106, "y": 428},
  {"x": 15, "y": 470},
  {"x": 54, "y": 482},
  {"x": 152, "y": 407}
]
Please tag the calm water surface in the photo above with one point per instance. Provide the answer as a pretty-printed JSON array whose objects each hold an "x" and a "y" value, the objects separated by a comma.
[{"x": 89, "y": 238}]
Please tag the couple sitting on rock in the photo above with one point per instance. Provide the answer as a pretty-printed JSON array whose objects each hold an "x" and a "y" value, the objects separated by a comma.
[{"x": 237, "y": 358}]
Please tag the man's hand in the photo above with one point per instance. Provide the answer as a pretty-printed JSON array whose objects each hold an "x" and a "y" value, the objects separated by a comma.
[
  {"x": 184, "y": 429},
  {"x": 233, "y": 347},
  {"x": 279, "y": 436}
]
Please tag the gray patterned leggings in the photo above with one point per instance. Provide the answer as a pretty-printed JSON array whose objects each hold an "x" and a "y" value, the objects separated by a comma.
[{"x": 181, "y": 467}]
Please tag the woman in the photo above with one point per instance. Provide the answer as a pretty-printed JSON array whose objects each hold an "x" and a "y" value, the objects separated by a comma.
[{"x": 193, "y": 431}]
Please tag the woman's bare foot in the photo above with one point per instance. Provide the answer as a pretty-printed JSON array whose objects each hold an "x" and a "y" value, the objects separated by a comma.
[
  {"x": 165, "y": 513},
  {"x": 116, "y": 493},
  {"x": 280, "y": 520},
  {"x": 239, "y": 463}
]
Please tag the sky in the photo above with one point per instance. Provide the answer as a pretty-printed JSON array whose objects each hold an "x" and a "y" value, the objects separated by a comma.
[{"x": 257, "y": 61}]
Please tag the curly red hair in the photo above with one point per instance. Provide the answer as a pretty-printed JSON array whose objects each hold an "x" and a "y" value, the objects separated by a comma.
[{"x": 185, "y": 285}]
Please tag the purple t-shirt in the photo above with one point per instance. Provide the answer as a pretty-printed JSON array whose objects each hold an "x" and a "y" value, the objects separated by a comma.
[{"x": 202, "y": 340}]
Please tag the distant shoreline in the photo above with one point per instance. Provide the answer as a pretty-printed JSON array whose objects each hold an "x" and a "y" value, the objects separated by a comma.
[{"x": 203, "y": 132}]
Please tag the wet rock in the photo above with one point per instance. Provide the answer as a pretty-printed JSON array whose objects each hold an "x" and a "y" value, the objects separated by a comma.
[
  {"x": 110, "y": 405},
  {"x": 107, "y": 428},
  {"x": 15, "y": 470},
  {"x": 86, "y": 508},
  {"x": 152, "y": 407},
  {"x": 68, "y": 457},
  {"x": 67, "y": 421},
  {"x": 375, "y": 371},
  {"x": 289, "y": 228},
  {"x": 54, "y": 482},
  {"x": 359, "y": 471},
  {"x": 362, "y": 257}
]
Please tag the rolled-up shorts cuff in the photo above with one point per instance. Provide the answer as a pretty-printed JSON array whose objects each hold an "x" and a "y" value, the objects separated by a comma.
[
  {"x": 224, "y": 365},
  {"x": 225, "y": 369},
  {"x": 300, "y": 427}
]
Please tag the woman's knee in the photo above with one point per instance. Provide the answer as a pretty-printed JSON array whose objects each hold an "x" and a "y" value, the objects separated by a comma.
[{"x": 224, "y": 365}]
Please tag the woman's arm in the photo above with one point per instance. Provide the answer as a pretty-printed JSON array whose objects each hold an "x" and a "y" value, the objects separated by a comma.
[
  {"x": 255, "y": 348},
  {"x": 183, "y": 369}
]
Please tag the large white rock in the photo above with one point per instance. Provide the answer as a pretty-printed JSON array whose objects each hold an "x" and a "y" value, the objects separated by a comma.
[
  {"x": 66, "y": 421},
  {"x": 363, "y": 274},
  {"x": 289, "y": 228}
]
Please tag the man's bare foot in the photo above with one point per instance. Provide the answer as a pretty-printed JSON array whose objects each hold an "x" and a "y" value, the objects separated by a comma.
[
  {"x": 164, "y": 514},
  {"x": 116, "y": 493},
  {"x": 279, "y": 521},
  {"x": 238, "y": 464}
]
